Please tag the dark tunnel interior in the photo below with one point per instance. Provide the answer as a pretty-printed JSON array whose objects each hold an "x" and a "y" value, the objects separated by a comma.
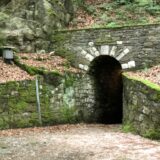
[{"x": 106, "y": 72}]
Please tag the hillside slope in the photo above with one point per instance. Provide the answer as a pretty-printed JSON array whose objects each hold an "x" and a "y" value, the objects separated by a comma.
[{"x": 113, "y": 13}]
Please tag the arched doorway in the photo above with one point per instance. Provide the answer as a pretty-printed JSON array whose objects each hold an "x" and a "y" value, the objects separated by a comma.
[{"x": 106, "y": 72}]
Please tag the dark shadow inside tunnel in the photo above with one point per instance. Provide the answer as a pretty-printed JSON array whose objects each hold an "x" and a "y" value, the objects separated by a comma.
[{"x": 106, "y": 72}]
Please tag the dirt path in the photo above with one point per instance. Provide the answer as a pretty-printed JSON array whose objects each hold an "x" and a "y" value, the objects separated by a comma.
[{"x": 76, "y": 142}]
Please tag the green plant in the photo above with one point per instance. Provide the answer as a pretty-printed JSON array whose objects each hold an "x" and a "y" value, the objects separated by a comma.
[
  {"x": 152, "y": 134},
  {"x": 68, "y": 114},
  {"x": 90, "y": 9},
  {"x": 25, "y": 57},
  {"x": 153, "y": 10},
  {"x": 2, "y": 39},
  {"x": 122, "y": 2},
  {"x": 69, "y": 80},
  {"x": 67, "y": 54},
  {"x": 108, "y": 6},
  {"x": 145, "y": 2},
  {"x": 112, "y": 24},
  {"x": 128, "y": 127}
]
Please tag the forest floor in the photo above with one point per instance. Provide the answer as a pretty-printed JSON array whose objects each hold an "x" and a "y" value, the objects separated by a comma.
[
  {"x": 110, "y": 13},
  {"x": 11, "y": 72},
  {"x": 76, "y": 142},
  {"x": 151, "y": 74},
  {"x": 47, "y": 62}
]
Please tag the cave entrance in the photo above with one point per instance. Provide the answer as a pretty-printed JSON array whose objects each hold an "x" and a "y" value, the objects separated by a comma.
[{"x": 106, "y": 72}]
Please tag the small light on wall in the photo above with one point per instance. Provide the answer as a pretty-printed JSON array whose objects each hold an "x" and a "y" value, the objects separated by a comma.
[{"x": 7, "y": 54}]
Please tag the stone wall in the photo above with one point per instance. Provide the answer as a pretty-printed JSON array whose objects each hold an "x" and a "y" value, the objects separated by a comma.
[
  {"x": 18, "y": 104},
  {"x": 85, "y": 98},
  {"x": 71, "y": 99},
  {"x": 63, "y": 99},
  {"x": 141, "y": 41},
  {"x": 141, "y": 107}
]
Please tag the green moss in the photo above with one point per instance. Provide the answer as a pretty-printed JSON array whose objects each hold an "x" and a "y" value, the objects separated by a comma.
[
  {"x": 33, "y": 70},
  {"x": 19, "y": 121},
  {"x": 69, "y": 80},
  {"x": 67, "y": 54},
  {"x": 4, "y": 122},
  {"x": 146, "y": 82},
  {"x": 128, "y": 127},
  {"x": 51, "y": 12},
  {"x": 106, "y": 40},
  {"x": 60, "y": 37},
  {"x": 133, "y": 26},
  {"x": 152, "y": 134},
  {"x": 68, "y": 114}
]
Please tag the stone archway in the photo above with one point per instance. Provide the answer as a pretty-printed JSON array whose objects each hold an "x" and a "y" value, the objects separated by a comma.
[
  {"x": 106, "y": 72},
  {"x": 105, "y": 68}
]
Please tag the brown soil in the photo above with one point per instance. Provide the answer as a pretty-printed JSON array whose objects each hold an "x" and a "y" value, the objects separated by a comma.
[
  {"x": 152, "y": 74},
  {"x": 76, "y": 142},
  {"x": 10, "y": 72},
  {"x": 47, "y": 62}
]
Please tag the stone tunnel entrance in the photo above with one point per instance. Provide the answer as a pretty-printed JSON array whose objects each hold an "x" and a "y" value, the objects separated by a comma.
[{"x": 106, "y": 72}]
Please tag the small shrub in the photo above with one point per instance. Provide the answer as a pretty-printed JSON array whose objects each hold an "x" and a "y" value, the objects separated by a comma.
[
  {"x": 112, "y": 24},
  {"x": 128, "y": 127},
  {"x": 153, "y": 10},
  {"x": 90, "y": 9},
  {"x": 152, "y": 134},
  {"x": 122, "y": 2},
  {"x": 64, "y": 53}
]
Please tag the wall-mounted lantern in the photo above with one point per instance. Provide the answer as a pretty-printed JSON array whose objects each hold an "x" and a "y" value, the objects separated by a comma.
[{"x": 7, "y": 54}]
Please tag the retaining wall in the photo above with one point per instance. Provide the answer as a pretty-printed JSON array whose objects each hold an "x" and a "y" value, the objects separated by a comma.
[
  {"x": 63, "y": 99},
  {"x": 141, "y": 107}
]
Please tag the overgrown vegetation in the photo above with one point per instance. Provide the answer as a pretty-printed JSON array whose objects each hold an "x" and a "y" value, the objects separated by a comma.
[
  {"x": 128, "y": 127},
  {"x": 142, "y": 80},
  {"x": 114, "y": 13},
  {"x": 152, "y": 134},
  {"x": 33, "y": 70}
]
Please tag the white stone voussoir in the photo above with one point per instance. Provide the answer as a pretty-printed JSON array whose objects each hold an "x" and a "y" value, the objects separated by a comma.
[
  {"x": 91, "y": 44},
  {"x": 83, "y": 67},
  {"x": 113, "y": 51},
  {"x": 125, "y": 52},
  {"x": 89, "y": 57},
  {"x": 104, "y": 50},
  {"x": 83, "y": 52}
]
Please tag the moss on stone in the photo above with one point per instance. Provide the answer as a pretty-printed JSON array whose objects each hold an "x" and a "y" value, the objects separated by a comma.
[
  {"x": 60, "y": 37},
  {"x": 34, "y": 70},
  {"x": 69, "y": 80},
  {"x": 68, "y": 114},
  {"x": 128, "y": 127},
  {"x": 67, "y": 54},
  {"x": 106, "y": 40},
  {"x": 152, "y": 134},
  {"x": 146, "y": 82}
]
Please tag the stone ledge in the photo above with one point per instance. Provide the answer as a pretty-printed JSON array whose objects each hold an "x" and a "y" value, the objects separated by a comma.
[{"x": 144, "y": 81}]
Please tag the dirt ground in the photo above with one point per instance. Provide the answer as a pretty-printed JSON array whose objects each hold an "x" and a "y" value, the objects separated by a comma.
[{"x": 76, "y": 142}]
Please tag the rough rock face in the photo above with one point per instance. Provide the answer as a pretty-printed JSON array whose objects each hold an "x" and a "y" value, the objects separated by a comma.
[{"x": 28, "y": 24}]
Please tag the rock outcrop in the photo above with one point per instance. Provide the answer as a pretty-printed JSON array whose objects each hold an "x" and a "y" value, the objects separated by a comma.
[{"x": 28, "y": 24}]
